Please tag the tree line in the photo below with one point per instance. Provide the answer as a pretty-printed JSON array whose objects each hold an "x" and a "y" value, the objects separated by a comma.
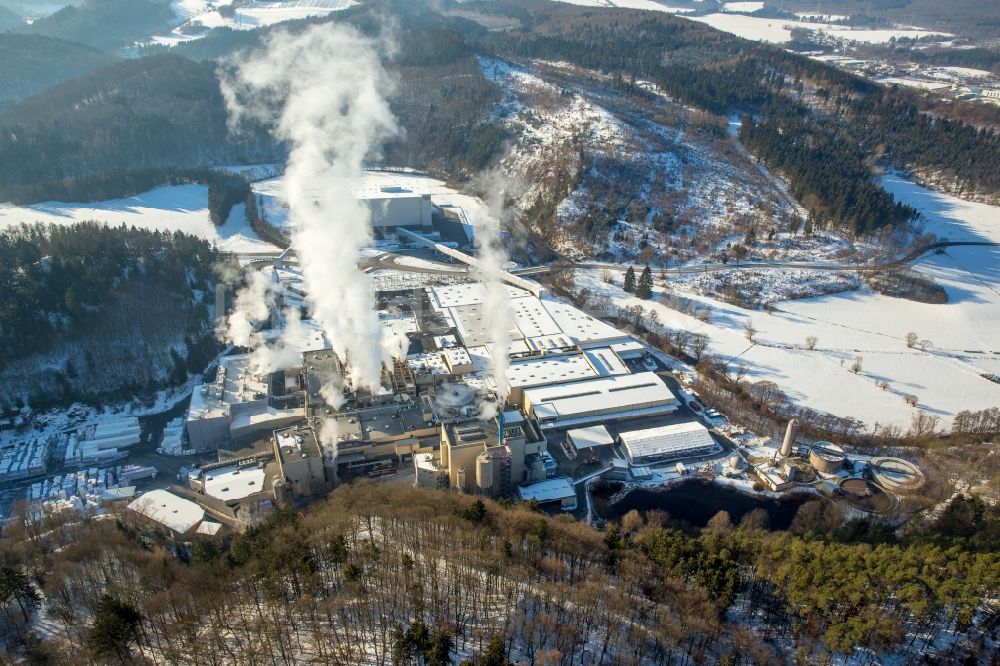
[
  {"x": 393, "y": 575},
  {"x": 116, "y": 301}
]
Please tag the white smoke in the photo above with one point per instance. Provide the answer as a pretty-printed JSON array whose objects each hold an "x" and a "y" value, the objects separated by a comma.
[
  {"x": 493, "y": 259},
  {"x": 329, "y": 440},
  {"x": 284, "y": 352},
  {"x": 323, "y": 92},
  {"x": 250, "y": 307}
]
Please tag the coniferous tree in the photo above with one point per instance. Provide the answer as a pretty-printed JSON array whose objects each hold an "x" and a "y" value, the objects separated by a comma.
[
  {"x": 629, "y": 285},
  {"x": 644, "y": 289}
]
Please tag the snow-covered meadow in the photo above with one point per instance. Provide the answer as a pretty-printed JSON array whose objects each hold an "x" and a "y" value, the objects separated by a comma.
[
  {"x": 779, "y": 31},
  {"x": 946, "y": 378},
  {"x": 168, "y": 208},
  {"x": 193, "y": 17}
]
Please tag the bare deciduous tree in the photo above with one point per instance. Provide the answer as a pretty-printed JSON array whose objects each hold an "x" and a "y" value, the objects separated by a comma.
[
  {"x": 748, "y": 330},
  {"x": 811, "y": 342}
]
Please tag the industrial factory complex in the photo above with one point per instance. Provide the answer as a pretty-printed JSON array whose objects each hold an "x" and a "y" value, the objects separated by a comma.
[
  {"x": 528, "y": 398},
  {"x": 578, "y": 399}
]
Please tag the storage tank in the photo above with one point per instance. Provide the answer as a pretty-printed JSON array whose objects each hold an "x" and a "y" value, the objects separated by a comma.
[
  {"x": 460, "y": 478},
  {"x": 790, "y": 433},
  {"x": 484, "y": 472},
  {"x": 827, "y": 458}
]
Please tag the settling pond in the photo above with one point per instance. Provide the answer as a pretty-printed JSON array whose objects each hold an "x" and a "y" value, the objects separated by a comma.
[{"x": 696, "y": 502}]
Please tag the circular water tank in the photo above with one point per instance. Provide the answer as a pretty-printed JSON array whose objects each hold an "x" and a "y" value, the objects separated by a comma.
[{"x": 827, "y": 458}]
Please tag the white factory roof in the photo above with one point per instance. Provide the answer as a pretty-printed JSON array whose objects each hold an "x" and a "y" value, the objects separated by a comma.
[
  {"x": 606, "y": 362},
  {"x": 611, "y": 396},
  {"x": 400, "y": 323},
  {"x": 586, "y": 438},
  {"x": 666, "y": 440},
  {"x": 209, "y": 527},
  {"x": 581, "y": 327},
  {"x": 628, "y": 348},
  {"x": 532, "y": 319},
  {"x": 232, "y": 483},
  {"x": 482, "y": 360},
  {"x": 432, "y": 363},
  {"x": 234, "y": 384},
  {"x": 457, "y": 356},
  {"x": 558, "y": 341},
  {"x": 468, "y": 293},
  {"x": 177, "y": 513},
  {"x": 365, "y": 189},
  {"x": 543, "y": 370},
  {"x": 551, "y": 490},
  {"x": 472, "y": 323},
  {"x": 442, "y": 341}
]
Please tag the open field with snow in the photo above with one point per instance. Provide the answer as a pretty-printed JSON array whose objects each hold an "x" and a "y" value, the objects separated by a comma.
[
  {"x": 169, "y": 208},
  {"x": 946, "y": 378},
  {"x": 631, "y": 4},
  {"x": 778, "y": 31},
  {"x": 194, "y": 16}
]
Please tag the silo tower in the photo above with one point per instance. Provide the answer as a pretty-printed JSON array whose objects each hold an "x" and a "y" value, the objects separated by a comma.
[{"x": 790, "y": 433}]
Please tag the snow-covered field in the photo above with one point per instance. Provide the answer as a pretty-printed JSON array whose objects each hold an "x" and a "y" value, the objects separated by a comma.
[
  {"x": 168, "y": 208},
  {"x": 945, "y": 378},
  {"x": 194, "y": 16},
  {"x": 747, "y": 7},
  {"x": 631, "y": 4},
  {"x": 778, "y": 31}
]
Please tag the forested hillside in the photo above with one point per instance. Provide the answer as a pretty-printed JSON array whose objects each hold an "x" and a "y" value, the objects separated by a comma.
[
  {"x": 165, "y": 110},
  {"x": 392, "y": 575},
  {"x": 106, "y": 24},
  {"x": 91, "y": 312},
  {"x": 858, "y": 122},
  {"x": 158, "y": 111},
  {"x": 32, "y": 63}
]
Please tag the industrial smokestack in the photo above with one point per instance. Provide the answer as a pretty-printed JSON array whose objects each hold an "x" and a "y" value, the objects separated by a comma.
[{"x": 790, "y": 433}]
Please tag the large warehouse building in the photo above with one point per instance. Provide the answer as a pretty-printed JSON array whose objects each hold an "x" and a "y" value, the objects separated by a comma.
[
  {"x": 599, "y": 400},
  {"x": 681, "y": 440},
  {"x": 392, "y": 206}
]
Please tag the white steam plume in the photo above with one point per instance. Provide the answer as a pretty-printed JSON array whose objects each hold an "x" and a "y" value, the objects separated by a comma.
[
  {"x": 323, "y": 91},
  {"x": 282, "y": 353},
  {"x": 250, "y": 307},
  {"x": 493, "y": 260}
]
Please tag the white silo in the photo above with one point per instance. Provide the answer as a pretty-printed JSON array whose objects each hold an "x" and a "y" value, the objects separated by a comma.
[
  {"x": 484, "y": 472},
  {"x": 790, "y": 433}
]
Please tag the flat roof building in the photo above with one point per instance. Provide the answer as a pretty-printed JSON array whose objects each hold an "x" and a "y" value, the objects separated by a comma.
[
  {"x": 681, "y": 440},
  {"x": 598, "y": 400},
  {"x": 552, "y": 490},
  {"x": 180, "y": 516},
  {"x": 591, "y": 437}
]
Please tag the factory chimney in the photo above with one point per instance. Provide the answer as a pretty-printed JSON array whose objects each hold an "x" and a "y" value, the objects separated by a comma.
[{"x": 790, "y": 434}]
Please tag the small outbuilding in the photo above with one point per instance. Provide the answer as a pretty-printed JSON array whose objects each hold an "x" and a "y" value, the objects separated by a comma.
[
  {"x": 550, "y": 491},
  {"x": 589, "y": 440}
]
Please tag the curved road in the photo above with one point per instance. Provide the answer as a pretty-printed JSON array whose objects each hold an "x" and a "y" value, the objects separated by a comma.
[
  {"x": 792, "y": 265},
  {"x": 388, "y": 261}
]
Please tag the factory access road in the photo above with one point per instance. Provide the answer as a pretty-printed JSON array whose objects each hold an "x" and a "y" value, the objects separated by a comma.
[{"x": 788, "y": 265}]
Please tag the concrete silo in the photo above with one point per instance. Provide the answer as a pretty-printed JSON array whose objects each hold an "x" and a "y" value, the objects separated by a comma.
[{"x": 790, "y": 434}]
